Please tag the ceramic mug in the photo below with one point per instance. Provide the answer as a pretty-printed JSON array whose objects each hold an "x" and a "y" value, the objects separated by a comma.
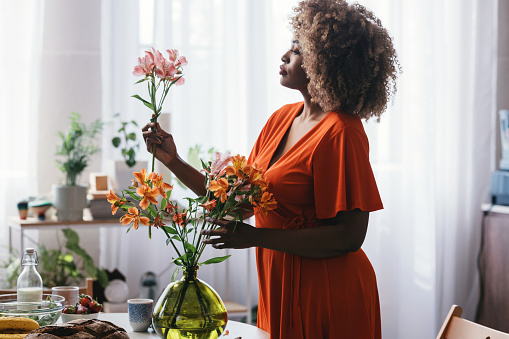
[
  {"x": 140, "y": 314},
  {"x": 70, "y": 293}
]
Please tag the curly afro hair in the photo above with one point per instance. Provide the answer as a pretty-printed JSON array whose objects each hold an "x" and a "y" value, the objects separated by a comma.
[{"x": 348, "y": 57}]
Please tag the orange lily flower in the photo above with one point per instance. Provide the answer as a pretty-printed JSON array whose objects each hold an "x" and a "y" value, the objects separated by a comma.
[
  {"x": 266, "y": 203},
  {"x": 114, "y": 201},
  {"x": 219, "y": 187},
  {"x": 180, "y": 218},
  {"x": 159, "y": 184},
  {"x": 158, "y": 222},
  {"x": 149, "y": 195},
  {"x": 238, "y": 163},
  {"x": 141, "y": 176},
  {"x": 133, "y": 215},
  {"x": 209, "y": 205},
  {"x": 170, "y": 208}
]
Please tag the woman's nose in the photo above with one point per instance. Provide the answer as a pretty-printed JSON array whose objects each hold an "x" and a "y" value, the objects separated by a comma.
[{"x": 284, "y": 58}]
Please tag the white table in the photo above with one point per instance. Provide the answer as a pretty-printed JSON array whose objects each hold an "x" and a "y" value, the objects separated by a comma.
[{"x": 236, "y": 329}]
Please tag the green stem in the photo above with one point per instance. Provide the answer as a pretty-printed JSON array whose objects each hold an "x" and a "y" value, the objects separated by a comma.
[
  {"x": 203, "y": 309},
  {"x": 178, "y": 304},
  {"x": 171, "y": 241}
]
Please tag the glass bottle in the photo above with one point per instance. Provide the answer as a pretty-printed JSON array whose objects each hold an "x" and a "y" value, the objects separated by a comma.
[{"x": 29, "y": 281}]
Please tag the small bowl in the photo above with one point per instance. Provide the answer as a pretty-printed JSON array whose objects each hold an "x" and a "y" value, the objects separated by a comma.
[
  {"x": 66, "y": 317},
  {"x": 45, "y": 312}
]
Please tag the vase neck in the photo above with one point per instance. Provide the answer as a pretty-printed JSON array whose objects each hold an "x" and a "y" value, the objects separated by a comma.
[{"x": 190, "y": 272}]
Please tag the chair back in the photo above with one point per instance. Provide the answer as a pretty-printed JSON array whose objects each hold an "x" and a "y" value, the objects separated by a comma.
[{"x": 455, "y": 327}]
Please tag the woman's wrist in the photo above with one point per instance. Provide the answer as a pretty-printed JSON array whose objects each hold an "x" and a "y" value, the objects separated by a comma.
[{"x": 173, "y": 162}]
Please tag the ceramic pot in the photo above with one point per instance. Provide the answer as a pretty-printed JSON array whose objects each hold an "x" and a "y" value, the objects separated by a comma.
[
  {"x": 121, "y": 175},
  {"x": 69, "y": 202},
  {"x": 189, "y": 308}
]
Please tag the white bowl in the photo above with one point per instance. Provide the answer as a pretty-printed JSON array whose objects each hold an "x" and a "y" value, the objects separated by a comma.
[{"x": 66, "y": 317}]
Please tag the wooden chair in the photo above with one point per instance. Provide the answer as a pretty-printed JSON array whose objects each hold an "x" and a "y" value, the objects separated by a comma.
[
  {"x": 455, "y": 327},
  {"x": 87, "y": 289}
]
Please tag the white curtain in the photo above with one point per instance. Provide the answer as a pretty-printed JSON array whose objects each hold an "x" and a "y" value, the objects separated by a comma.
[
  {"x": 432, "y": 152},
  {"x": 232, "y": 86},
  {"x": 20, "y": 53}
]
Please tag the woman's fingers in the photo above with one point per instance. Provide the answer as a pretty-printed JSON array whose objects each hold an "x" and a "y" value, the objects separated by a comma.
[{"x": 218, "y": 222}]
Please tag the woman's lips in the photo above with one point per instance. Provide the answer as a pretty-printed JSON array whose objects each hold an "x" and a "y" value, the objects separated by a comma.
[{"x": 282, "y": 70}]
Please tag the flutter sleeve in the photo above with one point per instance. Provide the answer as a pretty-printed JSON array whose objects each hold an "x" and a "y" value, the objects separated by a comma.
[{"x": 342, "y": 174}]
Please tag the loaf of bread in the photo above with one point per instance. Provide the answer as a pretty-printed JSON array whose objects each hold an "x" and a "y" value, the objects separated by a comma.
[{"x": 80, "y": 329}]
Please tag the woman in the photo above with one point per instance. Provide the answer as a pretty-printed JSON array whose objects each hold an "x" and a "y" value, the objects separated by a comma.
[{"x": 315, "y": 280}]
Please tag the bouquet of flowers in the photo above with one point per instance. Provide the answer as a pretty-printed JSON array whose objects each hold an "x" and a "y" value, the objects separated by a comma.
[{"x": 232, "y": 185}]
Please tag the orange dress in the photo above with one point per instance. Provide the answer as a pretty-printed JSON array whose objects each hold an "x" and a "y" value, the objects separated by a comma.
[{"x": 325, "y": 172}]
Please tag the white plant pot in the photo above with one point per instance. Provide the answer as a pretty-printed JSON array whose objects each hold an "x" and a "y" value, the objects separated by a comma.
[
  {"x": 69, "y": 202},
  {"x": 121, "y": 175}
]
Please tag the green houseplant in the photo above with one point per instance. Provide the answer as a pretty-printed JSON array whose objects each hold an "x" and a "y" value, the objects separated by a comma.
[
  {"x": 127, "y": 141},
  {"x": 66, "y": 267},
  {"x": 74, "y": 151},
  {"x": 57, "y": 267}
]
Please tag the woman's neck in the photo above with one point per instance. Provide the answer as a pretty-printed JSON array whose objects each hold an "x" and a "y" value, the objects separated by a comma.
[{"x": 311, "y": 110}]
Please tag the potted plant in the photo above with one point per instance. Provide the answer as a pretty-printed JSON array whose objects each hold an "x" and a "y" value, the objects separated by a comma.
[
  {"x": 126, "y": 140},
  {"x": 74, "y": 151}
]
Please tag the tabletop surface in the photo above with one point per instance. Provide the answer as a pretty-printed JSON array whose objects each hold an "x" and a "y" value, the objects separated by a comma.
[{"x": 235, "y": 329}]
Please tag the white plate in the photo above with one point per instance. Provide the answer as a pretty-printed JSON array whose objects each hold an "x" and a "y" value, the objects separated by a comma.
[{"x": 117, "y": 291}]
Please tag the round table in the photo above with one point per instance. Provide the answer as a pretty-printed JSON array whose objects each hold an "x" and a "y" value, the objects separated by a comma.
[{"x": 236, "y": 329}]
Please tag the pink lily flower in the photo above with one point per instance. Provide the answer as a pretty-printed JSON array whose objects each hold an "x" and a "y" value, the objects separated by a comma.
[
  {"x": 164, "y": 68},
  {"x": 145, "y": 65},
  {"x": 219, "y": 163},
  {"x": 173, "y": 55},
  {"x": 180, "y": 81}
]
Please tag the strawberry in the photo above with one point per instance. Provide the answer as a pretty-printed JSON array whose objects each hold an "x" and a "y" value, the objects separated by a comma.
[
  {"x": 82, "y": 310},
  {"x": 95, "y": 307},
  {"x": 85, "y": 300},
  {"x": 69, "y": 309}
]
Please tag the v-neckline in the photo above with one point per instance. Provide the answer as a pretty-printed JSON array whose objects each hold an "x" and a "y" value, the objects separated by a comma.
[{"x": 287, "y": 130}]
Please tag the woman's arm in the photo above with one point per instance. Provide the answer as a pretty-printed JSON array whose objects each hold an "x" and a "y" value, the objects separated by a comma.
[
  {"x": 166, "y": 152},
  {"x": 339, "y": 235}
]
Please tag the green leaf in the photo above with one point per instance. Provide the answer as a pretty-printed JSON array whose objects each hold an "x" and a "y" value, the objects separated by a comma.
[
  {"x": 130, "y": 162},
  {"x": 175, "y": 273},
  {"x": 152, "y": 210},
  {"x": 116, "y": 141},
  {"x": 170, "y": 230},
  {"x": 189, "y": 247},
  {"x": 149, "y": 105},
  {"x": 140, "y": 98},
  {"x": 134, "y": 196},
  {"x": 215, "y": 260},
  {"x": 131, "y": 136}
]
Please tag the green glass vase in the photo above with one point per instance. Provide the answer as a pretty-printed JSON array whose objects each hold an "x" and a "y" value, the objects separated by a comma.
[{"x": 190, "y": 309}]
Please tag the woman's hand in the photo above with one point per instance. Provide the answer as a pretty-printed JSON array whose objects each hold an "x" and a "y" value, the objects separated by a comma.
[
  {"x": 231, "y": 234},
  {"x": 165, "y": 149}
]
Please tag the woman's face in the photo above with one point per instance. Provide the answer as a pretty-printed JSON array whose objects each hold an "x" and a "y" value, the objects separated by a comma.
[{"x": 292, "y": 74}]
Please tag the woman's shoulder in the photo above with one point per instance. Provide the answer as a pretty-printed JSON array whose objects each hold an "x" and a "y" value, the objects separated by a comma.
[{"x": 338, "y": 122}]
